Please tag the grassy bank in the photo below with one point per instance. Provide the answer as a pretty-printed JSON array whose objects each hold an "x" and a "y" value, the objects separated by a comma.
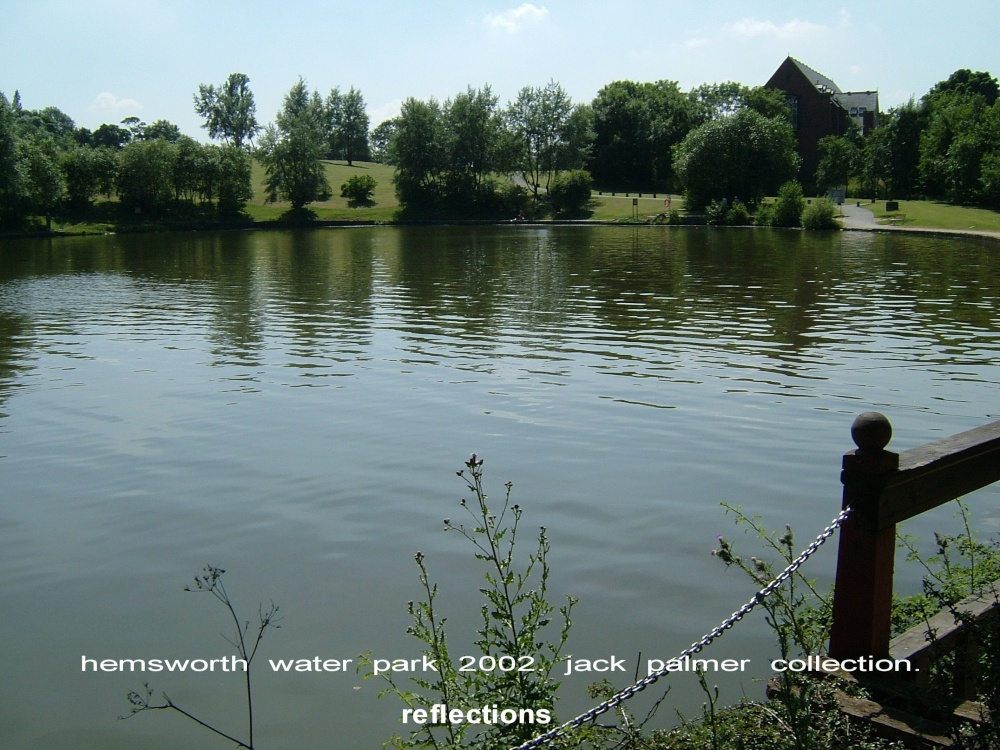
[{"x": 934, "y": 215}]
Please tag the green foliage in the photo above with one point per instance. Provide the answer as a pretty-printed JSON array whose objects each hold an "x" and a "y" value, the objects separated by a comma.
[
  {"x": 13, "y": 187},
  {"x": 234, "y": 187},
  {"x": 570, "y": 191},
  {"x": 839, "y": 159},
  {"x": 347, "y": 124},
  {"x": 717, "y": 100},
  {"x": 358, "y": 189},
  {"x": 789, "y": 206},
  {"x": 418, "y": 153},
  {"x": 636, "y": 126},
  {"x": 516, "y": 615},
  {"x": 799, "y": 615},
  {"x": 145, "y": 176},
  {"x": 960, "y": 566},
  {"x": 737, "y": 214},
  {"x": 540, "y": 122},
  {"x": 292, "y": 148},
  {"x": 820, "y": 214},
  {"x": 229, "y": 110},
  {"x": 746, "y": 155}
]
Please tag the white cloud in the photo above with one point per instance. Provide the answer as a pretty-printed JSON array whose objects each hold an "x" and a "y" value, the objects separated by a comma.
[
  {"x": 513, "y": 19},
  {"x": 378, "y": 115},
  {"x": 695, "y": 43},
  {"x": 108, "y": 103},
  {"x": 794, "y": 29}
]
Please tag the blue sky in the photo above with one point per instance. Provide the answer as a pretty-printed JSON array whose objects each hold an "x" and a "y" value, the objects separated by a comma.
[{"x": 103, "y": 60}]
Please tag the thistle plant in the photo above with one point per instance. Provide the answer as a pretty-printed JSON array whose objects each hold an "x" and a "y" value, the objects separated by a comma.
[{"x": 515, "y": 671}]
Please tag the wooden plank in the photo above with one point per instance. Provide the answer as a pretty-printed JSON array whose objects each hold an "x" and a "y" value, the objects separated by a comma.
[
  {"x": 939, "y": 472},
  {"x": 894, "y": 724},
  {"x": 916, "y": 643}
]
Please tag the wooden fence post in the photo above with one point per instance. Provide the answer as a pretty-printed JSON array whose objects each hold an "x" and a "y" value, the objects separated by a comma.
[{"x": 862, "y": 600}]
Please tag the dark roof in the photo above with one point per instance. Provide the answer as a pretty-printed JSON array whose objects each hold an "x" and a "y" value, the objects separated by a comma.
[
  {"x": 866, "y": 99},
  {"x": 817, "y": 79}
]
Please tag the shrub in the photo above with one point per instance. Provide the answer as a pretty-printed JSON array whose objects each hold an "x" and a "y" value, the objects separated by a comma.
[
  {"x": 788, "y": 208},
  {"x": 820, "y": 214},
  {"x": 358, "y": 189},
  {"x": 715, "y": 213},
  {"x": 738, "y": 215},
  {"x": 765, "y": 215},
  {"x": 570, "y": 191}
]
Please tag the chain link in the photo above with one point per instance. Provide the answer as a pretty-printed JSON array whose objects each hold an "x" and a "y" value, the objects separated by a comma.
[{"x": 623, "y": 695}]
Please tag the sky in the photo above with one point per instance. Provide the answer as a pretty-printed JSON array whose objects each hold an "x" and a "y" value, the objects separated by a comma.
[{"x": 103, "y": 60}]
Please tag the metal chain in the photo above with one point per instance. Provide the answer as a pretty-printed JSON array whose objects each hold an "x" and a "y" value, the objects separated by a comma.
[{"x": 623, "y": 695}]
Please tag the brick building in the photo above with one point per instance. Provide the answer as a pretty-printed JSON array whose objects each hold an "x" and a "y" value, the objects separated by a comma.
[{"x": 820, "y": 108}]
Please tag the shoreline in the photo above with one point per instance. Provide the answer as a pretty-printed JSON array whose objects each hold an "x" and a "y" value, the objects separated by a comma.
[{"x": 347, "y": 224}]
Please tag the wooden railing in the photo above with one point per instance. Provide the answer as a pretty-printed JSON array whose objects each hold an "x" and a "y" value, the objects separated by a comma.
[{"x": 885, "y": 488}]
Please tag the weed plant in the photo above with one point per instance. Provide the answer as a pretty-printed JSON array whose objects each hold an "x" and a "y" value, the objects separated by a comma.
[
  {"x": 512, "y": 635},
  {"x": 246, "y": 641}
]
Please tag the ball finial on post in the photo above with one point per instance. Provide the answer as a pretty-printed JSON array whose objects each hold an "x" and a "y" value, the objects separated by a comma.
[{"x": 871, "y": 432}]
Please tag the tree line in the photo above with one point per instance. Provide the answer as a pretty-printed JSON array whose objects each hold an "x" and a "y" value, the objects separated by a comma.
[
  {"x": 946, "y": 146},
  {"x": 470, "y": 155}
]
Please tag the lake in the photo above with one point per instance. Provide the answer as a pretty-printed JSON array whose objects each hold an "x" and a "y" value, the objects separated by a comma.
[{"x": 292, "y": 406}]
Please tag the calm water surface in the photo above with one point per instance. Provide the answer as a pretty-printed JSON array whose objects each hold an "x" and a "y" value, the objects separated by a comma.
[{"x": 292, "y": 406}]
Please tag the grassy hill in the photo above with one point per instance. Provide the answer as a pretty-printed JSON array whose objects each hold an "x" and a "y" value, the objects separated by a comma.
[{"x": 384, "y": 203}]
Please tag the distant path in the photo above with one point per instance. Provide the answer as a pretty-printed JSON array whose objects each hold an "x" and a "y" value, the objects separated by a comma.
[
  {"x": 860, "y": 218},
  {"x": 856, "y": 217}
]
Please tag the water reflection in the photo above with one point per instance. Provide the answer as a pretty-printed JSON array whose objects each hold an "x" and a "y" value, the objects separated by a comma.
[{"x": 292, "y": 404}]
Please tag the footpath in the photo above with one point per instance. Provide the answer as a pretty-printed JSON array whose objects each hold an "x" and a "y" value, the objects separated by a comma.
[{"x": 861, "y": 219}]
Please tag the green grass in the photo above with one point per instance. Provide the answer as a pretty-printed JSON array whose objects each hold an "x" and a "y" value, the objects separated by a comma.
[
  {"x": 934, "y": 215},
  {"x": 618, "y": 207},
  {"x": 384, "y": 203}
]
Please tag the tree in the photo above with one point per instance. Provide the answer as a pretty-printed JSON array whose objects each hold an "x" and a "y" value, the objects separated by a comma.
[
  {"x": 636, "y": 126},
  {"x": 965, "y": 82},
  {"x": 111, "y": 136},
  {"x": 145, "y": 175},
  {"x": 380, "y": 139},
  {"x": 13, "y": 191},
  {"x": 839, "y": 159},
  {"x": 744, "y": 156},
  {"x": 234, "y": 185},
  {"x": 162, "y": 129},
  {"x": 45, "y": 183},
  {"x": 136, "y": 128},
  {"x": 348, "y": 126},
  {"x": 291, "y": 150},
  {"x": 230, "y": 111},
  {"x": 474, "y": 130},
  {"x": 540, "y": 121},
  {"x": 417, "y": 151},
  {"x": 716, "y": 100}
]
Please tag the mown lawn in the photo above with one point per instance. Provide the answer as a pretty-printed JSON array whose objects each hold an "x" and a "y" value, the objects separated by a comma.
[
  {"x": 936, "y": 215},
  {"x": 384, "y": 203},
  {"x": 607, "y": 207}
]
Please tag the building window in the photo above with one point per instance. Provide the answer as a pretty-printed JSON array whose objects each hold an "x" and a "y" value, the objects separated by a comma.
[{"x": 793, "y": 105}]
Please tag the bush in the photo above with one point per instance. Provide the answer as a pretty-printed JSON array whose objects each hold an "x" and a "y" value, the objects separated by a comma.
[
  {"x": 721, "y": 213},
  {"x": 820, "y": 214},
  {"x": 570, "y": 191},
  {"x": 358, "y": 189},
  {"x": 715, "y": 213},
  {"x": 738, "y": 215},
  {"x": 765, "y": 215},
  {"x": 788, "y": 208}
]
